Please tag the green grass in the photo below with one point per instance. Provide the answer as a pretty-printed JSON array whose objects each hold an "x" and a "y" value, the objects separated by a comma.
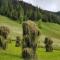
[
  {"x": 11, "y": 53},
  {"x": 14, "y": 53},
  {"x": 15, "y": 27},
  {"x": 51, "y": 29},
  {"x": 42, "y": 55},
  {"x": 48, "y": 29}
]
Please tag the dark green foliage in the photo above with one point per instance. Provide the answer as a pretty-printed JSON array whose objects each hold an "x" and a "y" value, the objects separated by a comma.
[
  {"x": 27, "y": 53},
  {"x": 30, "y": 28},
  {"x": 22, "y": 11},
  {"x": 18, "y": 41},
  {"x": 27, "y": 42},
  {"x": 29, "y": 45},
  {"x": 4, "y": 31},
  {"x": 34, "y": 47},
  {"x": 48, "y": 44}
]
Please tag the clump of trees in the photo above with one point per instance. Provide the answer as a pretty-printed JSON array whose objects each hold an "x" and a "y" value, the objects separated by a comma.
[
  {"x": 29, "y": 43},
  {"x": 4, "y": 31},
  {"x": 48, "y": 44}
]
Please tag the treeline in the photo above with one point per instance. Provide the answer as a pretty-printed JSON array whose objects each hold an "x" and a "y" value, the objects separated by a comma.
[{"x": 19, "y": 10}]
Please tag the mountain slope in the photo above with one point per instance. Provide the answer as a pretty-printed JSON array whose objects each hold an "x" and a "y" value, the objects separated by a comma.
[
  {"x": 15, "y": 27},
  {"x": 47, "y": 29},
  {"x": 21, "y": 11}
]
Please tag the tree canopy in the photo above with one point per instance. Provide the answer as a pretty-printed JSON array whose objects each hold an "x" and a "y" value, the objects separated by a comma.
[{"x": 21, "y": 11}]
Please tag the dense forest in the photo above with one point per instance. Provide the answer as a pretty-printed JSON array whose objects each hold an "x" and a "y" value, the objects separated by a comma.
[{"x": 21, "y": 11}]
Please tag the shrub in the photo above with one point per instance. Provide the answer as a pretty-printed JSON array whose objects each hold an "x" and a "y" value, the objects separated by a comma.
[
  {"x": 29, "y": 28},
  {"x": 18, "y": 41},
  {"x": 4, "y": 31},
  {"x": 48, "y": 44},
  {"x": 34, "y": 46},
  {"x": 27, "y": 53},
  {"x": 27, "y": 41}
]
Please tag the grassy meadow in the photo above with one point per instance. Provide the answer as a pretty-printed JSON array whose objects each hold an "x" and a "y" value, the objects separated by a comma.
[{"x": 47, "y": 29}]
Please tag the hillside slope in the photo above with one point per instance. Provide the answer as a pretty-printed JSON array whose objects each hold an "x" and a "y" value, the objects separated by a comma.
[
  {"x": 15, "y": 27},
  {"x": 51, "y": 30},
  {"x": 47, "y": 29}
]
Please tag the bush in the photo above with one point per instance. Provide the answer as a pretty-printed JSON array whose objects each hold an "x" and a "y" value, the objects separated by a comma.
[
  {"x": 29, "y": 27},
  {"x": 48, "y": 44},
  {"x": 27, "y": 41},
  {"x": 34, "y": 46},
  {"x": 27, "y": 53},
  {"x": 4, "y": 31},
  {"x": 18, "y": 41}
]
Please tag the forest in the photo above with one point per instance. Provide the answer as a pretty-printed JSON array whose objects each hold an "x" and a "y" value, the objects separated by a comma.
[{"x": 22, "y": 11}]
